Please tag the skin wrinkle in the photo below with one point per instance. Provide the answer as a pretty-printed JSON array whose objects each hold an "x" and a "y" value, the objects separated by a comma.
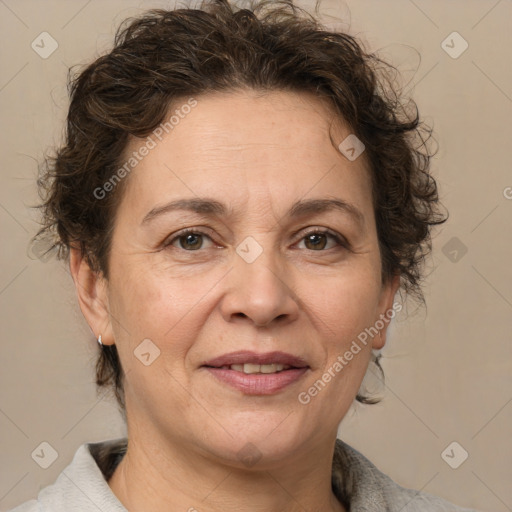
[{"x": 186, "y": 428}]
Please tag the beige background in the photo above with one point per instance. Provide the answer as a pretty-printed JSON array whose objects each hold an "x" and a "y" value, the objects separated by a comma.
[{"x": 448, "y": 368}]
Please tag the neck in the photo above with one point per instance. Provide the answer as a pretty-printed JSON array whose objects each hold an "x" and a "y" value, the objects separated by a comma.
[{"x": 151, "y": 479}]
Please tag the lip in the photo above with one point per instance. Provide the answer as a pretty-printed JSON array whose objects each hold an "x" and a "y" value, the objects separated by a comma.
[
  {"x": 257, "y": 383},
  {"x": 247, "y": 356}
]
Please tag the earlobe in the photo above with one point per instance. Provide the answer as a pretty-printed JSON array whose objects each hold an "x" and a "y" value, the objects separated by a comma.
[
  {"x": 386, "y": 311},
  {"x": 91, "y": 289}
]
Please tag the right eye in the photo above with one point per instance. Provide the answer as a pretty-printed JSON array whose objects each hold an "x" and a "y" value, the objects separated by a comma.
[{"x": 189, "y": 240}]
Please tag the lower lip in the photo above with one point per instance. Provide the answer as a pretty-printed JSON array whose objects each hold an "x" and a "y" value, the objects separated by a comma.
[{"x": 258, "y": 383}]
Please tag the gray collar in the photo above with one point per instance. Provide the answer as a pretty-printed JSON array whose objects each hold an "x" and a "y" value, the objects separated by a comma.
[{"x": 356, "y": 482}]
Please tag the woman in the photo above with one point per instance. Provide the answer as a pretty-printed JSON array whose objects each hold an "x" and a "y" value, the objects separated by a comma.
[{"x": 240, "y": 197}]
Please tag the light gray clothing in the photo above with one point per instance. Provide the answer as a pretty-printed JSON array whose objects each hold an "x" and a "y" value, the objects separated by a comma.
[{"x": 358, "y": 484}]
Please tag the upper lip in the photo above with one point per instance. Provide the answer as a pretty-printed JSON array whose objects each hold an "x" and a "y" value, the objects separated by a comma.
[{"x": 246, "y": 356}]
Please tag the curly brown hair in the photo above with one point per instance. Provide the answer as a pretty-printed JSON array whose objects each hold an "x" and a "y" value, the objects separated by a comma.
[{"x": 165, "y": 55}]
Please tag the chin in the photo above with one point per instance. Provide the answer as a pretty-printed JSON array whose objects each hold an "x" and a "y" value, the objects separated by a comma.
[{"x": 257, "y": 439}]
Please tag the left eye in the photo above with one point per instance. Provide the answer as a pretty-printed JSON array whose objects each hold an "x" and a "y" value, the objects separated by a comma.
[{"x": 317, "y": 240}]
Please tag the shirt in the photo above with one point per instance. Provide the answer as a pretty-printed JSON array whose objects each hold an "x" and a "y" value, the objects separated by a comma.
[{"x": 356, "y": 482}]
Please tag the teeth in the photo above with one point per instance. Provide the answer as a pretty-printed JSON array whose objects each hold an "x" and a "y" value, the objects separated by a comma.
[
  {"x": 259, "y": 368},
  {"x": 271, "y": 368},
  {"x": 252, "y": 368}
]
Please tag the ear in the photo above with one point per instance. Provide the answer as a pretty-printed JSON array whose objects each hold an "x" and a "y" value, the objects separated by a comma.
[
  {"x": 92, "y": 292},
  {"x": 386, "y": 309}
]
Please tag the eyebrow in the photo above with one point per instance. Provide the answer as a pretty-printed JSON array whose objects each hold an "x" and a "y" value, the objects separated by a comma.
[{"x": 300, "y": 208}]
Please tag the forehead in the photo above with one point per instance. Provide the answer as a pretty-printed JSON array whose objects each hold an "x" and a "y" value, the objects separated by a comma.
[{"x": 246, "y": 146}]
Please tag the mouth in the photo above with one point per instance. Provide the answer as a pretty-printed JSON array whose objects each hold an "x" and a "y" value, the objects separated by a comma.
[
  {"x": 257, "y": 374},
  {"x": 251, "y": 368}
]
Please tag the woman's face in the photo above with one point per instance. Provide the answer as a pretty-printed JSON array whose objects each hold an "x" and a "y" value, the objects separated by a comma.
[{"x": 250, "y": 277}]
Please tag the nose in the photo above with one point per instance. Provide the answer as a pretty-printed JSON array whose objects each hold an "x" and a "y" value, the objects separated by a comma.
[{"x": 260, "y": 292}]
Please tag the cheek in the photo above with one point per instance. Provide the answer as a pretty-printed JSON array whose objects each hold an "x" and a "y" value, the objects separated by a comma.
[
  {"x": 343, "y": 309},
  {"x": 345, "y": 305},
  {"x": 163, "y": 311},
  {"x": 152, "y": 305}
]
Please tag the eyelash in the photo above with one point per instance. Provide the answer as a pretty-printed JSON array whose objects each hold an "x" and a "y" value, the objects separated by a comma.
[{"x": 337, "y": 238}]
